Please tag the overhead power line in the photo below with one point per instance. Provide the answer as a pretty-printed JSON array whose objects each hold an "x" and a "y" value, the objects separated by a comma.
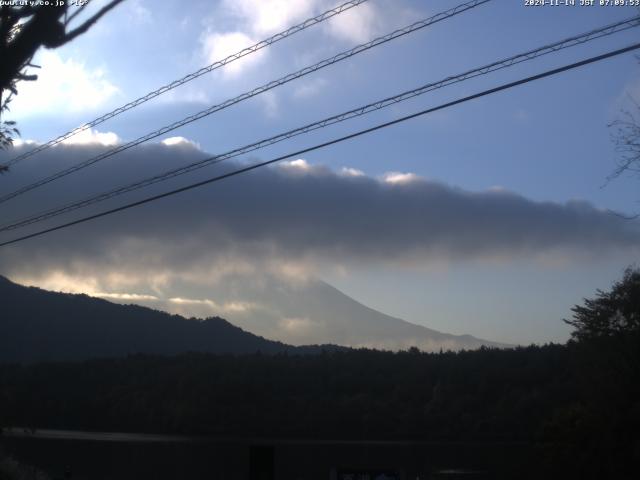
[
  {"x": 191, "y": 76},
  {"x": 255, "y": 166},
  {"x": 498, "y": 65},
  {"x": 252, "y": 93}
]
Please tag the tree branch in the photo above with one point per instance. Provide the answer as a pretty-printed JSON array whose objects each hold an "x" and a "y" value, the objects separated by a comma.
[
  {"x": 74, "y": 14},
  {"x": 87, "y": 24}
]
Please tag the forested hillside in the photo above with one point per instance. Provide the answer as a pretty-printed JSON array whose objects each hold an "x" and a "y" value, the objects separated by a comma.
[{"x": 38, "y": 325}]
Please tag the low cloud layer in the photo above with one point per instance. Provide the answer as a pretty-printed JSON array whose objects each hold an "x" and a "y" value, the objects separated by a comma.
[{"x": 290, "y": 215}]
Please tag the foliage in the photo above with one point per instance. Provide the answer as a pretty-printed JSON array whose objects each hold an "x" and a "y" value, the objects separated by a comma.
[
  {"x": 7, "y": 130},
  {"x": 10, "y": 469},
  {"x": 9, "y": 28},
  {"x": 611, "y": 313}
]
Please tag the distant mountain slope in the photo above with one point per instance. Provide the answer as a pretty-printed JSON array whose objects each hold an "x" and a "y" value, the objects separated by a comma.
[
  {"x": 307, "y": 312},
  {"x": 325, "y": 314},
  {"x": 38, "y": 325}
]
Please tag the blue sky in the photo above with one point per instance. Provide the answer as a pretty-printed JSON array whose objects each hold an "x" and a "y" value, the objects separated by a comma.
[{"x": 547, "y": 141}]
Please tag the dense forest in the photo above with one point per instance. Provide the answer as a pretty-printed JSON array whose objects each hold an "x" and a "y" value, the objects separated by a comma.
[{"x": 580, "y": 402}]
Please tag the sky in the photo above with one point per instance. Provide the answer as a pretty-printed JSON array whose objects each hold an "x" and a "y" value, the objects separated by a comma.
[{"x": 491, "y": 218}]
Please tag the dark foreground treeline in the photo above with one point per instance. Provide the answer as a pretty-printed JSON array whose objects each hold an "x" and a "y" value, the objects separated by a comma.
[{"x": 580, "y": 403}]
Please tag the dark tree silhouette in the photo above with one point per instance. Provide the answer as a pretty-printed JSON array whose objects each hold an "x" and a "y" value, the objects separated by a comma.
[
  {"x": 611, "y": 313},
  {"x": 23, "y": 30}
]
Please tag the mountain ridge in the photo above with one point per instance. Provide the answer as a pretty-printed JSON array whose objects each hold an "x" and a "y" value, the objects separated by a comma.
[{"x": 40, "y": 325}]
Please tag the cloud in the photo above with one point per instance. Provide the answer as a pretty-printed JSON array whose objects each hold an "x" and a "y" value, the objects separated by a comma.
[
  {"x": 93, "y": 137},
  {"x": 207, "y": 307},
  {"x": 139, "y": 15},
  {"x": 267, "y": 17},
  {"x": 58, "y": 281},
  {"x": 399, "y": 177},
  {"x": 76, "y": 88},
  {"x": 19, "y": 142},
  {"x": 218, "y": 46},
  {"x": 292, "y": 217},
  {"x": 238, "y": 24},
  {"x": 300, "y": 165},
  {"x": 270, "y": 105},
  {"x": 133, "y": 297},
  {"x": 310, "y": 88},
  {"x": 188, "y": 93},
  {"x": 299, "y": 327},
  {"x": 351, "y": 172},
  {"x": 180, "y": 142},
  {"x": 357, "y": 25},
  {"x": 254, "y": 20},
  {"x": 192, "y": 301}
]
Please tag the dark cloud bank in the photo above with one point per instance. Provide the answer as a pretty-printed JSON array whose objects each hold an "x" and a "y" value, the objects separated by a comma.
[{"x": 292, "y": 212}]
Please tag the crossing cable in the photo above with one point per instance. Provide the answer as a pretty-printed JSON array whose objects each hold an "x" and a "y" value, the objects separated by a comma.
[
  {"x": 257, "y": 91},
  {"x": 191, "y": 76},
  {"x": 255, "y": 166},
  {"x": 513, "y": 60}
]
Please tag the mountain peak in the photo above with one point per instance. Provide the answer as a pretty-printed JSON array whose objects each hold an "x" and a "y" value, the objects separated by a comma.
[{"x": 310, "y": 311}]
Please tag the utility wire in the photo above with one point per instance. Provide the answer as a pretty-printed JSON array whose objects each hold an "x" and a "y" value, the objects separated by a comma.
[
  {"x": 273, "y": 84},
  {"x": 380, "y": 104},
  {"x": 255, "y": 166},
  {"x": 191, "y": 76}
]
